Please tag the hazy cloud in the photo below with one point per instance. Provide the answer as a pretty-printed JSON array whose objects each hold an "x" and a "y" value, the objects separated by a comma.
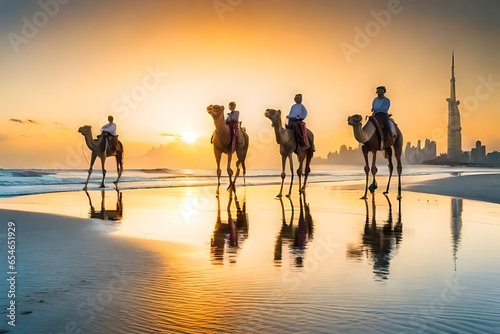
[
  {"x": 3, "y": 137},
  {"x": 61, "y": 126},
  {"x": 17, "y": 120},
  {"x": 173, "y": 135}
]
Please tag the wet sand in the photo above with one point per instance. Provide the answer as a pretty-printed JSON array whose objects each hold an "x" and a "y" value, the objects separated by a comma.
[
  {"x": 181, "y": 260},
  {"x": 478, "y": 187}
]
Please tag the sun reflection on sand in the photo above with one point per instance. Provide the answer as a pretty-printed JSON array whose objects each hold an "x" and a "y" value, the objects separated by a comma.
[{"x": 182, "y": 218}]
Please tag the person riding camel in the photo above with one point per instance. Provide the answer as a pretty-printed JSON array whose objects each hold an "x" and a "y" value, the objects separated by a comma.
[
  {"x": 380, "y": 109},
  {"x": 298, "y": 113},
  {"x": 232, "y": 120},
  {"x": 109, "y": 130}
]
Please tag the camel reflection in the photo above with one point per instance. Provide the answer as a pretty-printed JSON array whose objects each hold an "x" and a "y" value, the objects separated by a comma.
[
  {"x": 379, "y": 243},
  {"x": 104, "y": 214},
  {"x": 297, "y": 237},
  {"x": 228, "y": 236}
]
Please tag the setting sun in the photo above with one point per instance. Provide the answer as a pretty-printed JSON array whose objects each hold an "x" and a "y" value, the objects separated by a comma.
[{"x": 188, "y": 137}]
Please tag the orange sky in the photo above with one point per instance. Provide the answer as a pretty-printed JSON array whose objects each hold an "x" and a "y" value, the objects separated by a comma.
[{"x": 156, "y": 66}]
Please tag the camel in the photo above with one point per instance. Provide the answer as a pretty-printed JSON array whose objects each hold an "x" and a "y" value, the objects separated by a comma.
[
  {"x": 98, "y": 148},
  {"x": 221, "y": 140},
  {"x": 288, "y": 144},
  {"x": 367, "y": 135}
]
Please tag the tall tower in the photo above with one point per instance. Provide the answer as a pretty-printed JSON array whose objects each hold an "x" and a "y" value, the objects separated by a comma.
[{"x": 454, "y": 127}]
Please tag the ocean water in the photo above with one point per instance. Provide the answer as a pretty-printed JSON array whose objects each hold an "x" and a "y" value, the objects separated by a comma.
[{"x": 17, "y": 182}]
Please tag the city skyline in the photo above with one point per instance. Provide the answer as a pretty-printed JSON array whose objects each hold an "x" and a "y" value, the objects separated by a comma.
[{"x": 417, "y": 154}]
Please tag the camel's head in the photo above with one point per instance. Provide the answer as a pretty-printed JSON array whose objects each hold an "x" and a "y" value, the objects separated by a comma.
[
  {"x": 215, "y": 110},
  {"x": 354, "y": 119},
  {"x": 85, "y": 129},
  {"x": 273, "y": 115}
]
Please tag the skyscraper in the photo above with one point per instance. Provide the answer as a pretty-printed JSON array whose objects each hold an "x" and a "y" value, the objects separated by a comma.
[{"x": 454, "y": 127}]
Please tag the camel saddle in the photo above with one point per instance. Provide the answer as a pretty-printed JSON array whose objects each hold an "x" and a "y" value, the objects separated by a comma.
[
  {"x": 300, "y": 131},
  {"x": 385, "y": 138},
  {"x": 111, "y": 142},
  {"x": 237, "y": 138},
  {"x": 240, "y": 139}
]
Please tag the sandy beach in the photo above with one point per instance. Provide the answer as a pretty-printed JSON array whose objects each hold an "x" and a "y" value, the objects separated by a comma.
[
  {"x": 180, "y": 260},
  {"x": 477, "y": 187}
]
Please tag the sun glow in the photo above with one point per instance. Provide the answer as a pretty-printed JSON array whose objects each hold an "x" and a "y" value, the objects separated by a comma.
[{"x": 188, "y": 137}]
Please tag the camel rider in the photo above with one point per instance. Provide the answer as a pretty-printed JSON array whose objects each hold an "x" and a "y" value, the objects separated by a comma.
[
  {"x": 295, "y": 121},
  {"x": 380, "y": 108},
  {"x": 232, "y": 120},
  {"x": 109, "y": 129}
]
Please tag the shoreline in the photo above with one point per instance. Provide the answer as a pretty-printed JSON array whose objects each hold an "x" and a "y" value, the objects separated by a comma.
[
  {"x": 480, "y": 187},
  {"x": 73, "y": 181}
]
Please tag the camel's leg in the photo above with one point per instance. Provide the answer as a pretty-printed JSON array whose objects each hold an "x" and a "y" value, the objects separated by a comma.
[
  {"x": 244, "y": 171},
  {"x": 391, "y": 167},
  {"x": 290, "y": 156},
  {"x": 364, "y": 149},
  {"x": 103, "y": 161},
  {"x": 231, "y": 186},
  {"x": 119, "y": 166},
  {"x": 283, "y": 174},
  {"x": 373, "y": 186},
  {"x": 92, "y": 161},
  {"x": 307, "y": 170},
  {"x": 398, "y": 152},
  {"x": 241, "y": 161},
  {"x": 299, "y": 172},
  {"x": 218, "y": 156},
  {"x": 238, "y": 163}
]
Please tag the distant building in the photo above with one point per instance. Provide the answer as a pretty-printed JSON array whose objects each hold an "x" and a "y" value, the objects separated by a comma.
[
  {"x": 493, "y": 158},
  {"x": 454, "y": 126},
  {"x": 478, "y": 154},
  {"x": 346, "y": 156},
  {"x": 354, "y": 156},
  {"x": 417, "y": 155}
]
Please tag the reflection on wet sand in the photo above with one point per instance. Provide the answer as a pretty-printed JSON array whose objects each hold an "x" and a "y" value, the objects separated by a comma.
[
  {"x": 228, "y": 236},
  {"x": 379, "y": 243},
  {"x": 104, "y": 214},
  {"x": 297, "y": 237},
  {"x": 456, "y": 226}
]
